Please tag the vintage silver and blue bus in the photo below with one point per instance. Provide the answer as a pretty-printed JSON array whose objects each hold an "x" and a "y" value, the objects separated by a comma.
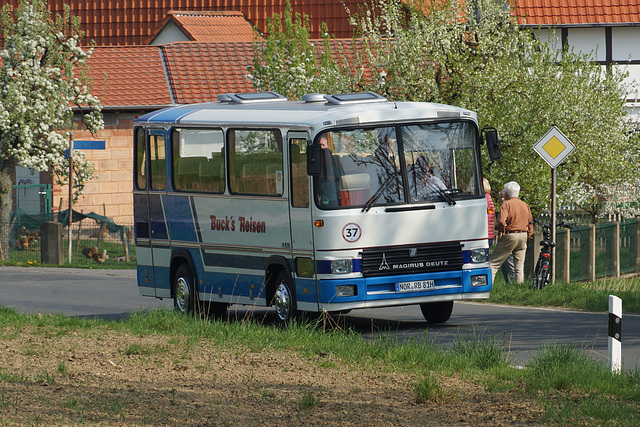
[{"x": 330, "y": 203}]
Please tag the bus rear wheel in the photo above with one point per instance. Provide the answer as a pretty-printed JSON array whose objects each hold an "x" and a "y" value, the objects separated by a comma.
[
  {"x": 284, "y": 299},
  {"x": 184, "y": 296},
  {"x": 437, "y": 312}
]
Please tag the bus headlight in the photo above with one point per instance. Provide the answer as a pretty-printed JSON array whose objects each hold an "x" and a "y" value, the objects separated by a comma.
[
  {"x": 479, "y": 255},
  {"x": 479, "y": 280},
  {"x": 341, "y": 266}
]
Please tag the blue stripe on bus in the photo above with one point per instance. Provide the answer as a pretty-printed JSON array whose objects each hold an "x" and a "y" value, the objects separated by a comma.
[
  {"x": 456, "y": 282},
  {"x": 324, "y": 267},
  {"x": 156, "y": 217},
  {"x": 234, "y": 261},
  {"x": 195, "y": 218},
  {"x": 168, "y": 115},
  {"x": 306, "y": 290},
  {"x": 466, "y": 256},
  {"x": 232, "y": 284},
  {"x": 181, "y": 224}
]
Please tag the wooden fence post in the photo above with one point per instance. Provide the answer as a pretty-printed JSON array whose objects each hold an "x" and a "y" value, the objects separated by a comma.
[
  {"x": 567, "y": 256},
  {"x": 616, "y": 248},
  {"x": 592, "y": 253},
  {"x": 638, "y": 246}
]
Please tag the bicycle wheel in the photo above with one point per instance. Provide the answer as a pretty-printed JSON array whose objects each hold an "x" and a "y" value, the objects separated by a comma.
[
  {"x": 541, "y": 277},
  {"x": 537, "y": 275},
  {"x": 545, "y": 275}
]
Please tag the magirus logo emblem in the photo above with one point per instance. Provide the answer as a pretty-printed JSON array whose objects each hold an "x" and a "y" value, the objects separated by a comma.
[
  {"x": 383, "y": 264},
  {"x": 413, "y": 252}
]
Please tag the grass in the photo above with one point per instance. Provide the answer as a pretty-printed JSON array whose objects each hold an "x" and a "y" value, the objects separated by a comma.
[
  {"x": 427, "y": 389},
  {"x": 588, "y": 296},
  {"x": 572, "y": 387}
]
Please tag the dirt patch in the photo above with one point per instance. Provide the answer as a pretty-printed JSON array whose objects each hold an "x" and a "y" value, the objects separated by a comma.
[{"x": 108, "y": 378}]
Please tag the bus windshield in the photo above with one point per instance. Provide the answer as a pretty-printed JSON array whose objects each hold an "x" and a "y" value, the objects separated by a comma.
[{"x": 415, "y": 163}]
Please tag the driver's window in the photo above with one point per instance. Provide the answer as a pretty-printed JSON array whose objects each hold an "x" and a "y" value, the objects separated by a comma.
[
  {"x": 358, "y": 164},
  {"x": 299, "y": 178}
]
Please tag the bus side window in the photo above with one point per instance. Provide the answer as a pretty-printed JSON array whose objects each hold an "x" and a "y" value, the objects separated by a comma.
[
  {"x": 198, "y": 160},
  {"x": 255, "y": 162},
  {"x": 157, "y": 156},
  {"x": 299, "y": 178},
  {"x": 141, "y": 160}
]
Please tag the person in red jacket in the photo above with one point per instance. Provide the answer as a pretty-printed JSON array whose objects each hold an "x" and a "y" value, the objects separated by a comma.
[
  {"x": 491, "y": 209},
  {"x": 514, "y": 228}
]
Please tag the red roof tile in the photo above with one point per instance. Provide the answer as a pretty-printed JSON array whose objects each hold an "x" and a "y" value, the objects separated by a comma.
[
  {"x": 199, "y": 72},
  {"x": 129, "y": 76},
  {"x": 131, "y": 22},
  {"x": 578, "y": 12},
  {"x": 222, "y": 26},
  {"x": 134, "y": 76}
]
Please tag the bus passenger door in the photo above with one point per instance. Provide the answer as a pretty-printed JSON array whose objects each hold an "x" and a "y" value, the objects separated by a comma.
[
  {"x": 301, "y": 223},
  {"x": 142, "y": 234},
  {"x": 159, "y": 236}
]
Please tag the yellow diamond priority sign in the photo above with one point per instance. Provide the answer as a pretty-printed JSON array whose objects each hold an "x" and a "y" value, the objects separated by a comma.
[{"x": 554, "y": 147}]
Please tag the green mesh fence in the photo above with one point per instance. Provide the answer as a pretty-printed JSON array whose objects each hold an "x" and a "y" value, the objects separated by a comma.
[
  {"x": 96, "y": 241},
  {"x": 605, "y": 260},
  {"x": 560, "y": 254},
  {"x": 579, "y": 260},
  {"x": 628, "y": 246}
]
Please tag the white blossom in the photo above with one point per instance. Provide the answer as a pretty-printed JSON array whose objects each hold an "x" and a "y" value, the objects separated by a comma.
[{"x": 38, "y": 88}]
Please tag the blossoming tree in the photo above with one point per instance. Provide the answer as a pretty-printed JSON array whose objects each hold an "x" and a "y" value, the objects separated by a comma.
[{"x": 40, "y": 87}]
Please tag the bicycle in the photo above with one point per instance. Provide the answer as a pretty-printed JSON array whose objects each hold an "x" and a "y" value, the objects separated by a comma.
[{"x": 541, "y": 272}]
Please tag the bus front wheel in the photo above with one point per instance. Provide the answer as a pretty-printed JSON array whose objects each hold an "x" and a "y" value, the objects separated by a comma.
[
  {"x": 184, "y": 299},
  {"x": 437, "y": 312},
  {"x": 284, "y": 299}
]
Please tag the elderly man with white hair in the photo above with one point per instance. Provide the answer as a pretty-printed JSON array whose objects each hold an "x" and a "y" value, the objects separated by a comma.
[{"x": 514, "y": 228}]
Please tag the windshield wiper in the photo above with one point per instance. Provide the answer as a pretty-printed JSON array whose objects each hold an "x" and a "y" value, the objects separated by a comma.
[
  {"x": 378, "y": 193},
  {"x": 445, "y": 195}
]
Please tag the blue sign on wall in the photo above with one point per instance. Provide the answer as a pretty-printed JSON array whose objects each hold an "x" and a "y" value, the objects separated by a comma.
[{"x": 88, "y": 145}]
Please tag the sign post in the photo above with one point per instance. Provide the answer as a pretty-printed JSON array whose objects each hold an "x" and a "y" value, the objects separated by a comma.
[
  {"x": 554, "y": 148},
  {"x": 76, "y": 145},
  {"x": 70, "y": 156}
]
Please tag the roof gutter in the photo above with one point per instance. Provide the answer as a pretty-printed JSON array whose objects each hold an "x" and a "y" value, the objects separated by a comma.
[
  {"x": 584, "y": 25},
  {"x": 127, "y": 107}
]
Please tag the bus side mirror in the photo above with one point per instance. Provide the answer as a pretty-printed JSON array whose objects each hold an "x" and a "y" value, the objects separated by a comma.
[
  {"x": 314, "y": 155},
  {"x": 493, "y": 146}
]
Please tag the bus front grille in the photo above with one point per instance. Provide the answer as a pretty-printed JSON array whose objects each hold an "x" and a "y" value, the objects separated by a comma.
[{"x": 411, "y": 259}]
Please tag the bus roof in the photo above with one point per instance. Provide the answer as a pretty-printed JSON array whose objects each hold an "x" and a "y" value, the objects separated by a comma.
[{"x": 320, "y": 113}]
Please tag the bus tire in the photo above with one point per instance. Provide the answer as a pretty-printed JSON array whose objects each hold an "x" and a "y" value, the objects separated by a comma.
[
  {"x": 437, "y": 312},
  {"x": 284, "y": 299},
  {"x": 184, "y": 293}
]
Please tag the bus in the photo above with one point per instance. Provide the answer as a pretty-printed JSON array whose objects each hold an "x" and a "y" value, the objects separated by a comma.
[{"x": 328, "y": 203}]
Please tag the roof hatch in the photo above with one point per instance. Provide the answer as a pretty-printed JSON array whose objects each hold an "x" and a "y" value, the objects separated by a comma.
[
  {"x": 355, "y": 98},
  {"x": 250, "y": 98}
]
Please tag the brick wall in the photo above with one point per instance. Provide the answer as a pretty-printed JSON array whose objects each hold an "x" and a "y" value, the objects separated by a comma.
[{"x": 110, "y": 193}]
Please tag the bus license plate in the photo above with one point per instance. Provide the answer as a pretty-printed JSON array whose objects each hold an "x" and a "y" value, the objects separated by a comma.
[{"x": 417, "y": 286}]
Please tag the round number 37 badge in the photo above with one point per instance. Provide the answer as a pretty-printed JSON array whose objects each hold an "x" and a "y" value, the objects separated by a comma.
[{"x": 351, "y": 232}]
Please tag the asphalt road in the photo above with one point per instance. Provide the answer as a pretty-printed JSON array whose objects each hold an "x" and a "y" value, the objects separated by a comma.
[{"x": 113, "y": 294}]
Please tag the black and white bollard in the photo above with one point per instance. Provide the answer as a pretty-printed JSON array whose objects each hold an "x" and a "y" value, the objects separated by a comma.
[{"x": 615, "y": 333}]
